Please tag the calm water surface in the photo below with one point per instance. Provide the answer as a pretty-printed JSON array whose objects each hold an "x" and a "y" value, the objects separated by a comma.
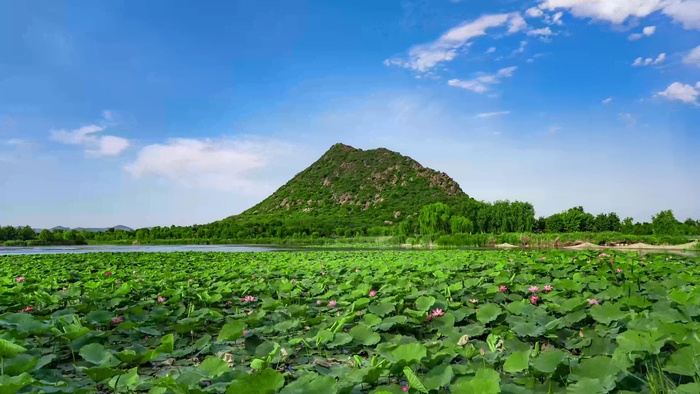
[{"x": 228, "y": 248}]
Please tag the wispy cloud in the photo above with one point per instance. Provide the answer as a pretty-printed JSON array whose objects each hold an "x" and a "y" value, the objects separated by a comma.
[
  {"x": 426, "y": 56},
  {"x": 608, "y": 100},
  {"x": 545, "y": 31},
  {"x": 491, "y": 50},
  {"x": 482, "y": 83},
  {"x": 555, "y": 129},
  {"x": 221, "y": 164},
  {"x": 639, "y": 62},
  {"x": 693, "y": 57},
  {"x": 629, "y": 119},
  {"x": 95, "y": 145},
  {"x": 492, "y": 114}
]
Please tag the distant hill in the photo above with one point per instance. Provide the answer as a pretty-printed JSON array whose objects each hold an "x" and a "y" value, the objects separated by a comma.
[
  {"x": 93, "y": 230},
  {"x": 377, "y": 185}
]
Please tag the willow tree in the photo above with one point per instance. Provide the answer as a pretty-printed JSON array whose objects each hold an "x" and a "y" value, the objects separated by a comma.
[{"x": 434, "y": 219}]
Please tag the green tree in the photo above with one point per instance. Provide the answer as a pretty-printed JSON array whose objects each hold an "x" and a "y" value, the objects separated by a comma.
[
  {"x": 460, "y": 224},
  {"x": 434, "y": 219},
  {"x": 27, "y": 233},
  {"x": 664, "y": 223},
  {"x": 46, "y": 236}
]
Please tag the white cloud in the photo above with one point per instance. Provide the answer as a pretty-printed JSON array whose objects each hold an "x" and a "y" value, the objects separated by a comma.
[
  {"x": 686, "y": 12},
  {"x": 210, "y": 164},
  {"x": 109, "y": 146},
  {"x": 491, "y": 50},
  {"x": 530, "y": 60},
  {"x": 546, "y": 31},
  {"x": 647, "y": 31},
  {"x": 534, "y": 12},
  {"x": 75, "y": 137},
  {"x": 107, "y": 115},
  {"x": 639, "y": 62},
  {"x": 681, "y": 92},
  {"x": 96, "y": 146},
  {"x": 697, "y": 85},
  {"x": 520, "y": 49},
  {"x": 554, "y": 129},
  {"x": 608, "y": 100},
  {"x": 492, "y": 114},
  {"x": 693, "y": 57},
  {"x": 426, "y": 56},
  {"x": 18, "y": 142},
  {"x": 554, "y": 19},
  {"x": 482, "y": 83}
]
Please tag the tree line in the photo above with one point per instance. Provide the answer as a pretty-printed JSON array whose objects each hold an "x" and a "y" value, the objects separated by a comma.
[{"x": 468, "y": 217}]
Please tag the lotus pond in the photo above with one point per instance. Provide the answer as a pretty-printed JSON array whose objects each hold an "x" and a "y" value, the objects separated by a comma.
[{"x": 350, "y": 322}]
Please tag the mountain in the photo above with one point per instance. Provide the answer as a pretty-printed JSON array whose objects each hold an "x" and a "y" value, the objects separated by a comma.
[{"x": 376, "y": 185}]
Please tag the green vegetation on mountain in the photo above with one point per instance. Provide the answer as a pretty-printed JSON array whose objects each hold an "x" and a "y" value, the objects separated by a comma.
[{"x": 373, "y": 186}]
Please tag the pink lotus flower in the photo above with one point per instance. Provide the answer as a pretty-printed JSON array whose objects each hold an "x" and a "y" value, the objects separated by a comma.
[
  {"x": 427, "y": 319},
  {"x": 27, "y": 309},
  {"x": 250, "y": 312},
  {"x": 134, "y": 272},
  {"x": 593, "y": 301},
  {"x": 262, "y": 279},
  {"x": 404, "y": 388},
  {"x": 482, "y": 351},
  {"x": 303, "y": 294},
  {"x": 618, "y": 271},
  {"x": 108, "y": 273},
  {"x": 437, "y": 312},
  {"x": 64, "y": 289},
  {"x": 372, "y": 293},
  {"x": 332, "y": 303},
  {"x": 229, "y": 303},
  {"x": 191, "y": 280},
  {"x": 161, "y": 299},
  {"x": 118, "y": 282},
  {"x": 541, "y": 258},
  {"x": 294, "y": 281},
  {"x": 502, "y": 288},
  {"x": 323, "y": 273},
  {"x": 533, "y": 289},
  {"x": 248, "y": 298},
  {"x": 410, "y": 284},
  {"x": 597, "y": 261},
  {"x": 118, "y": 320},
  {"x": 548, "y": 288},
  {"x": 474, "y": 301},
  {"x": 319, "y": 302},
  {"x": 20, "y": 279},
  {"x": 245, "y": 332},
  {"x": 359, "y": 312},
  {"x": 253, "y": 276},
  {"x": 511, "y": 260},
  {"x": 580, "y": 333},
  {"x": 357, "y": 270},
  {"x": 136, "y": 280},
  {"x": 612, "y": 261},
  {"x": 534, "y": 299}
]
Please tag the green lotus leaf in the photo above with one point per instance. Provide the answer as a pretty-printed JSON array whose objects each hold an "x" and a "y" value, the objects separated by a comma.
[
  {"x": 409, "y": 353},
  {"x": 517, "y": 362},
  {"x": 231, "y": 331},
  {"x": 438, "y": 377},
  {"x": 548, "y": 360},
  {"x": 11, "y": 385},
  {"x": 309, "y": 384},
  {"x": 488, "y": 313},
  {"x": 382, "y": 309},
  {"x": 606, "y": 313},
  {"x": 364, "y": 334},
  {"x": 424, "y": 303}
]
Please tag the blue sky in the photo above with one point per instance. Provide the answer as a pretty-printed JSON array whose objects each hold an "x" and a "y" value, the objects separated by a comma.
[{"x": 173, "y": 112}]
